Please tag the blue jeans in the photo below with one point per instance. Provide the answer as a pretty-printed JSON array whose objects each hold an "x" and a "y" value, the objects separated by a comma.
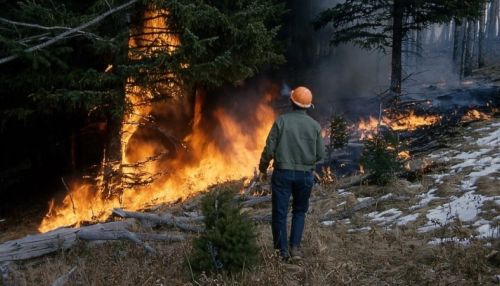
[{"x": 285, "y": 183}]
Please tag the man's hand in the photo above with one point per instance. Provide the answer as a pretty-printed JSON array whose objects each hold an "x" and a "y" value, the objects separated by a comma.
[{"x": 262, "y": 177}]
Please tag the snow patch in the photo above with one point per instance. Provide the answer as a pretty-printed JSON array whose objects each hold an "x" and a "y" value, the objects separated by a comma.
[
  {"x": 385, "y": 217},
  {"x": 364, "y": 199},
  {"x": 406, "y": 219},
  {"x": 466, "y": 208},
  {"x": 426, "y": 199}
]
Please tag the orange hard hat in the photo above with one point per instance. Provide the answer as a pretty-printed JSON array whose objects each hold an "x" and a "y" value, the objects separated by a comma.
[{"x": 302, "y": 97}]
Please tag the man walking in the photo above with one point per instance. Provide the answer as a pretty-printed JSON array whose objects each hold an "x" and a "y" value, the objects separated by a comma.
[{"x": 296, "y": 146}]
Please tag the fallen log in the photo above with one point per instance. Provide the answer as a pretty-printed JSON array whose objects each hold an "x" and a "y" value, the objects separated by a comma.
[
  {"x": 352, "y": 181},
  {"x": 182, "y": 223},
  {"x": 256, "y": 201},
  {"x": 33, "y": 246},
  {"x": 100, "y": 234}
]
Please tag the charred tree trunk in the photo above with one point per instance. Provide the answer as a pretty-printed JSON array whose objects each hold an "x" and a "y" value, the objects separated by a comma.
[
  {"x": 468, "y": 45},
  {"x": 480, "y": 43},
  {"x": 456, "y": 45},
  {"x": 418, "y": 50},
  {"x": 397, "y": 40},
  {"x": 492, "y": 26},
  {"x": 463, "y": 49},
  {"x": 112, "y": 172}
]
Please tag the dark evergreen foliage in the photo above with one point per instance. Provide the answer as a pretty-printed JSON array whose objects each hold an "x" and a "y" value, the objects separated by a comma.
[
  {"x": 338, "y": 133},
  {"x": 221, "y": 42},
  {"x": 229, "y": 243},
  {"x": 70, "y": 95},
  {"x": 380, "y": 157}
]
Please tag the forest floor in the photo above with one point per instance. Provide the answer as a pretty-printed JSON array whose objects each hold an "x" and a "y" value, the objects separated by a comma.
[{"x": 444, "y": 232}]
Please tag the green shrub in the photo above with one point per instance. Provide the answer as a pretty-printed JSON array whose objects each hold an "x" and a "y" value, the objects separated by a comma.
[
  {"x": 338, "y": 134},
  {"x": 229, "y": 243},
  {"x": 380, "y": 158}
]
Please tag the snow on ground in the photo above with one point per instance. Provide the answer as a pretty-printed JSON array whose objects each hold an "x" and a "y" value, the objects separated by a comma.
[
  {"x": 426, "y": 199},
  {"x": 469, "y": 159},
  {"x": 466, "y": 208},
  {"x": 385, "y": 217},
  {"x": 477, "y": 157}
]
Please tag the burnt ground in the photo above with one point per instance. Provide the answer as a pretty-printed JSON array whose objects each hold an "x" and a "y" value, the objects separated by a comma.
[{"x": 445, "y": 231}]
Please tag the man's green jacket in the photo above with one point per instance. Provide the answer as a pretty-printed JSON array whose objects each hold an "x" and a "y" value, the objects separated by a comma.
[{"x": 294, "y": 143}]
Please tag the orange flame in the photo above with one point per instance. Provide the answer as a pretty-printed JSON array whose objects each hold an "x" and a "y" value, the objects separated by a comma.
[
  {"x": 474, "y": 114},
  {"x": 204, "y": 162},
  {"x": 404, "y": 155},
  {"x": 409, "y": 122}
]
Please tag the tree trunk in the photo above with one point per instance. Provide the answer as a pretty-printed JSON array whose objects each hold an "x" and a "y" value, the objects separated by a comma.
[
  {"x": 492, "y": 26},
  {"x": 480, "y": 43},
  {"x": 456, "y": 36},
  {"x": 463, "y": 49},
  {"x": 397, "y": 39},
  {"x": 112, "y": 172},
  {"x": 418, "y": 50},
  {"x": 468, "y": 42}
]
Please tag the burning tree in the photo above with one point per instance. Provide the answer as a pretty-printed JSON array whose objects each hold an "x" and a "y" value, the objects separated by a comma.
[
  {"x": 385, "y": 24},
  {"x": 101, "y": 65}
]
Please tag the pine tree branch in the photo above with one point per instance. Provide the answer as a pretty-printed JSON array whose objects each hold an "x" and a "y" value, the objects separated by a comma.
[
  {"x": 70, "y": 32},
  {"x": 30, "y": 25}
]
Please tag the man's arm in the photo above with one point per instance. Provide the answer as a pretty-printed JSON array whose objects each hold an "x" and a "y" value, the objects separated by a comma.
[
  {"x": 268, "y": 153},
  {"x": 320, "y": 148}
]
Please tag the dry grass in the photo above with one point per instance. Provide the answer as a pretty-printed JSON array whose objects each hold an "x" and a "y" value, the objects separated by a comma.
[{"x": 334, "y": 256}]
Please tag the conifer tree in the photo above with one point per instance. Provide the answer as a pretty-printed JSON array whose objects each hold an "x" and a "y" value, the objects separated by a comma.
[
  {"x": 384, "y": 24},
  {"x": 54, "y": 91},
  {"x": 229, "y": 242}
]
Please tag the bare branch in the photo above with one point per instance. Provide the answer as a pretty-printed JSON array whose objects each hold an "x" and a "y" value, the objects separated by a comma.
[
  {"x": 69, "y": 32},
  {"x": 64, "y": 278},
  {"x": 29, "y": 25}
]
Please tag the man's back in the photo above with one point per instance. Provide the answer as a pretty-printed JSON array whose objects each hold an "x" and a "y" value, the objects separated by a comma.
[{"x": 294, "y": 143}]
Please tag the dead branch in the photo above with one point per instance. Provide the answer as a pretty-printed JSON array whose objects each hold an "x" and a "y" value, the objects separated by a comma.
[
  {"x": 256, "y": 201},
  {"x": 161, "y": 237},
  {"x": 67, "y": 33},
  {"x": 64, "y": 278},
  {"x": 352, "y": 181},
  {"x": 261, "y": 218},
  {"x": 182, "y": 223},
  {"x": 363, "y": 205},
  {"x": 102, "y": 234},
  {"x": 4, "y": 272},
  {"x": 250, "y": 188}
]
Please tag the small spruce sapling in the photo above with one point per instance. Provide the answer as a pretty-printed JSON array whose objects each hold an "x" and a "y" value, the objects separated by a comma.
[
  {"x": 338, "y": 134},
  {"x": 229, "y": 243},
  {"x": 380, "y": 157}
]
